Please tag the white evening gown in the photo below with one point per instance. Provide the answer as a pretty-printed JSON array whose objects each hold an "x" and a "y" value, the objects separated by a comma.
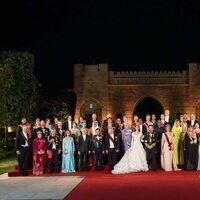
[{"x": 134, "y": 160}]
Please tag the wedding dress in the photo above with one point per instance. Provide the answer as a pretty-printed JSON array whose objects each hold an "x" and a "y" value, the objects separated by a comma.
[{"x": 134, "y": 160}]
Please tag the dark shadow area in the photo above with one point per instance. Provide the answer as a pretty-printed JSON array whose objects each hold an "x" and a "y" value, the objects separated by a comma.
[{"x": 148, "y": 105}]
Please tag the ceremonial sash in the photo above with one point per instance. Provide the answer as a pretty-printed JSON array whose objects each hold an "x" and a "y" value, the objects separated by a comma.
[
  {"x": 169, "y": 143},
  {"x": 146, "y": 125},
  {"x": 111, "y": 139},
  {"x": 97, "y": 140}
]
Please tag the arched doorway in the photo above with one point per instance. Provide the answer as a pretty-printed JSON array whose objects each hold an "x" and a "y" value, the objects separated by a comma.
[
  {"x": 148, "y": 105},
  {"x": 89, "y": 107}
]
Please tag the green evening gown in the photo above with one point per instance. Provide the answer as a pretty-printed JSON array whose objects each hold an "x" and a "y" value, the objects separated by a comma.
[{"x": 178, "y": 145}]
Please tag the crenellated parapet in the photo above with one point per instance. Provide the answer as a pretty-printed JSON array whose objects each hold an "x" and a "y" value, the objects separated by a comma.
[
  {"x": 148, "y": 77},
  {"x": 147, "y": 73},
  {"x": 87, "y": 73}
]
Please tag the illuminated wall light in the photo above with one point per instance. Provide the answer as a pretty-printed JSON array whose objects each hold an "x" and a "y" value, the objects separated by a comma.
[{"x": 9, "y": 129}]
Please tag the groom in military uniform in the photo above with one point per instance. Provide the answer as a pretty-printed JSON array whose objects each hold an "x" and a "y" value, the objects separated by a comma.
[
  {"x": 149, "y": 140},
  {"x": 98, "y": 148}
]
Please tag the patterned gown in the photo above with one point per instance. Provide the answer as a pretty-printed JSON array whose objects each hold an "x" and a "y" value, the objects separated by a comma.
[
  {"x": 127, "y": 138},
  {"x": 39, "y": 156}
]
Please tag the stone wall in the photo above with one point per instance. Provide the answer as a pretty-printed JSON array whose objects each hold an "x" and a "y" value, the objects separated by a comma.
[{"x": 119, "y": 92}]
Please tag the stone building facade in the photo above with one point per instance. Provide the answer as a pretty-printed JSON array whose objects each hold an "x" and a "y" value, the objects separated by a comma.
[{"x": 127, "y": 93}]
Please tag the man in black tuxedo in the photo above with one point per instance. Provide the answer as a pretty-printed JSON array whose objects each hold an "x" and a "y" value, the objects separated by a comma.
[
  {"x": 159, "y": 130},
  {"x": 153, "y": 119},
  {"x": 94, "y": 120},
  {"x": 84, "y": 149},
  {"x": 143, "y": 128},
  {"x": 55, "y": 125},
  {"x": 112, "y": 143},
  {"x": 149, "y": 140},
  {"x": 60, "y": 133},
  {"x": 45, "y": 131},
  {"x": 192, "y": 121},
  {"x": 22, "y": 149},
  {"x": 68, "y": 124},
  {"x": 185, "y": 117},
  {"x": 19, "y": 128},
  {"x": 168, "y": 119},
  {"x": 105, "y": 124}
]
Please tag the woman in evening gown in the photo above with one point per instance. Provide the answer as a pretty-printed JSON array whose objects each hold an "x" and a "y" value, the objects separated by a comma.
[
  {"x": 168, "y": 161},
  {"x": 127, "y": 136},
  {"x": 68, "y": 149},
  {"x": 178, "y": 142},
  {"x": 134, "y": 160},
  {"x": 39, "y": 154}
]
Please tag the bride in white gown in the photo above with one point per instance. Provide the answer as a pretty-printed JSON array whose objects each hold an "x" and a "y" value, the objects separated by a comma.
[{"x": 134, "y": 160}]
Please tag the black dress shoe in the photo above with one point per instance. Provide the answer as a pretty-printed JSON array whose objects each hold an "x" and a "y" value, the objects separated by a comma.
[
  {"x": 25, "y": 172},
  {"x": 76, "y": 168}
]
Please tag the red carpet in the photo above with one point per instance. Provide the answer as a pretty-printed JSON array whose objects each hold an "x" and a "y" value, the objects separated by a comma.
[
  {"x": 101, "y": 185},
  {"x": 149, "y": 185}
]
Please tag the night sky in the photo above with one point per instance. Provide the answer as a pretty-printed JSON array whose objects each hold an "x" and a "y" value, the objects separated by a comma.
[{"x": 129, "y": 35}]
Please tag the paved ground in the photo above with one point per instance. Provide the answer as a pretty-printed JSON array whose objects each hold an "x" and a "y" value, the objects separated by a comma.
[{"x": 37, "y": 188}]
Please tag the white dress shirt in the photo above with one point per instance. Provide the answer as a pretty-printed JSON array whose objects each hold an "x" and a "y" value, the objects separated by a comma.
[
  {"x": 26, "y": 141},
  {"x": 94, "y": 127},
  {"x": 84, "y": 137},
  {"x": 192, "y": 122},
  {"x": 141, "y": 128},
  {"x": 150, "y": 139},
  {"x": 70, "y": 125},
  {"x": 167, "y": 119},
  {"x": 54, "y": 145}
]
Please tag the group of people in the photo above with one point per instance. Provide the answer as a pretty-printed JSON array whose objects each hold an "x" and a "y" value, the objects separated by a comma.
[{"x": 141, "y": 146}]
